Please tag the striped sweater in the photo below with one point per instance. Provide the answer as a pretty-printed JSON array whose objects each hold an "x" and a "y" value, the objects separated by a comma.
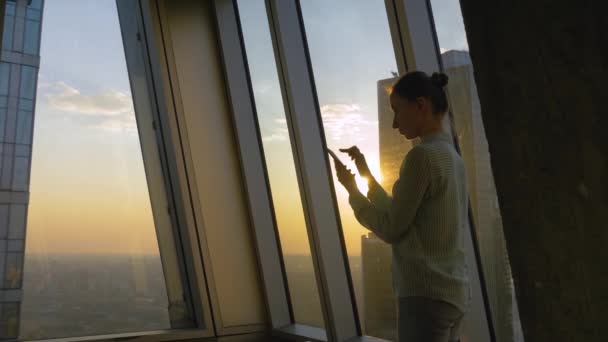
[{"x": 425, "y": 222}]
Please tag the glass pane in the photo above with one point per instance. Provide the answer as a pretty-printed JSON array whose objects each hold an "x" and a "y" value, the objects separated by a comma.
[
  {"x": 25, "y": 104},
  {"x": 21, "y": 169},
  {"x": 353, "y": 61},
  {"x": 5, "y": 70},
  {"x": 90, "y": 263},
  {"x": 10, "y": 8},
  {"x": 24, "y": 127},
  {"x": 34, "y": 4},
  {"x": 28, "y": 82},
  {"x": 2, "y": 122},
  {"x": 34, "y": 14},
  {"x": 8, "y": 33},
  {"x": 280, "y": 164},
  {"x": 32, "y": 37},
  {"x": 465, "y": 107}
]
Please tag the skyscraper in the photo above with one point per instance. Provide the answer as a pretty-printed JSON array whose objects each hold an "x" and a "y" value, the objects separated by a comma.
[
  {"x": 379, "y": 303},
  {"x": 464, "y": 104},
  {"x": 19, "y": 64}
]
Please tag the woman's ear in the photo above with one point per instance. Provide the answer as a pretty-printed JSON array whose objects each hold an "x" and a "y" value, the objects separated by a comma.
[{"x": 422, "y": 103}]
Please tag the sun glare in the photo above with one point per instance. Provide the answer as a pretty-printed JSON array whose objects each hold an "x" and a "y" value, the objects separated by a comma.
[{"x": 362, "y": 182}]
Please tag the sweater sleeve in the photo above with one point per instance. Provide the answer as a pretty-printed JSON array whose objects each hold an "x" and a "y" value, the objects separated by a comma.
[{"x": 391, "y": 219}]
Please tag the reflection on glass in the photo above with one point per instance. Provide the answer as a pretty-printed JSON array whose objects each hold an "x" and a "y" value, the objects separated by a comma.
[
  {"x": 24, "y": 127},
  {"x": 32, "y": 37},
  {"x": 77, "y": 186},
  {"x": 34, "y": 4},
  {"x": 7, "y": 35},
  {"x": 354, "y": 62},
  {"x": 28, "y": 82},
  {"x": 4, "y": 78},
  {"x": 465, "y": 107},
  {"x": 280, "y": 165}
]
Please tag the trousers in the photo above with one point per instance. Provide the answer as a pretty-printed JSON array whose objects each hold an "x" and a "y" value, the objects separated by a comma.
[{"x": 422, "y": 319}]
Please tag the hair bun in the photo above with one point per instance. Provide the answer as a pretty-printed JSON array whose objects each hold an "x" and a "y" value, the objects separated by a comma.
[{"x": 439, "y": 79}]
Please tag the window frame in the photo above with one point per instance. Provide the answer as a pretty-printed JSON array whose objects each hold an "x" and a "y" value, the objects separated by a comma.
[
  {"x": 140, "y": 26},
  {"x": 166, "y": 186},
  {"x": 240, "y": 93}
]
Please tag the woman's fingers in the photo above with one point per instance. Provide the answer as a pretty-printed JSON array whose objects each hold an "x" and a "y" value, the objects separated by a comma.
[
  {"x": 353, "y": 152},
  {"x": 359, "y": 159}
]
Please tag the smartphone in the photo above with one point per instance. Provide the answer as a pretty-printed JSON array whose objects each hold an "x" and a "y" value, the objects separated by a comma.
[{"x": 334, "y": 157}]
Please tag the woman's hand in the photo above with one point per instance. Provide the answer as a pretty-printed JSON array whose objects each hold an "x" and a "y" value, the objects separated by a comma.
[
  {"x": 359, "y": 160},
  {"x": 346, "y": 177}
]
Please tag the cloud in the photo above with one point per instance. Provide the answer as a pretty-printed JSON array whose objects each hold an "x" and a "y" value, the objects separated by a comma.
[
  {"x": 263, "y": 86},
  {"x": 340, "y": 120},
  {"x": 107, "y": 102},
  {"x": 279, "y": 132},
  {"x": 119, "y": 124},
  {"x": 108, "y": 110}
]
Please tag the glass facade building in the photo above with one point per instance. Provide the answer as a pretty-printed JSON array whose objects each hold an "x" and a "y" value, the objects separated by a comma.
[{"x": 19, "y": 66}]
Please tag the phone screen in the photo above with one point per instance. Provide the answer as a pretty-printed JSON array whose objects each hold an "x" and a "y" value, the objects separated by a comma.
[{"x": 334, "y": 156}]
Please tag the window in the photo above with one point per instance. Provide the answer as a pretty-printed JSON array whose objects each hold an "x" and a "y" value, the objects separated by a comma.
[
  {"x": 32, "y": 36},
  {"x": 464, "y": 103},
  {"x": 5, "y": 76},
  {"x": 280, "y": 164},
  {"x": 28, "y": 82},
  {"x": 9, "y": 26},
  {"x": 33, "y": 16},
  {"x": 79, "y": 253},
  {"x": 353, "y": 61}
]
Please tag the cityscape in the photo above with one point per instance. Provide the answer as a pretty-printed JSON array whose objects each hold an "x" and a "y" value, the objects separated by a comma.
[{"x": 86, "y": 295}]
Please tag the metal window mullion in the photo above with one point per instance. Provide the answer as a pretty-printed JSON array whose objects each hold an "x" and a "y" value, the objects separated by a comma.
[
  {"x": 180, "y": 206},
  {"x": 314, "y": 173},
  {"x": 416, "y": 30},
  {"x": 252, "y": 163},
  {"x": 128, "y": 12},
  {"x": 396, "y": 38}
]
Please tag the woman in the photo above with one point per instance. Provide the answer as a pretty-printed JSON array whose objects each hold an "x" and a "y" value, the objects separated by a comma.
[{"x": 426, "y": 219}]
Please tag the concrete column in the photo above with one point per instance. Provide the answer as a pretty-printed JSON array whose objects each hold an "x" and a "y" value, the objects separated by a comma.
[{"x": 540, "y": 69}]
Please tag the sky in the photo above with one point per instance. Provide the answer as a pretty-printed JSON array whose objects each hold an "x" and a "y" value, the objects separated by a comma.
[{"x": 88, "y": 186}]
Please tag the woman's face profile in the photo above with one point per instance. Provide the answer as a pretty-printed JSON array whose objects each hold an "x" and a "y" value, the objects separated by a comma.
[{"x": 408, "y": 115}]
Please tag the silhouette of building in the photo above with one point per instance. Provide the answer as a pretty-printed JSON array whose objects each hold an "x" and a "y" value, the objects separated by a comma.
[
  {"x": 380, "y": 314},
  {"x": 465, "y": 107},
  {"x": 19, "y": 66}
]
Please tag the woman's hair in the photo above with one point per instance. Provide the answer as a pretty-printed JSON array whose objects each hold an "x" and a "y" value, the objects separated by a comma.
[{"x": 417, "y": 84}]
